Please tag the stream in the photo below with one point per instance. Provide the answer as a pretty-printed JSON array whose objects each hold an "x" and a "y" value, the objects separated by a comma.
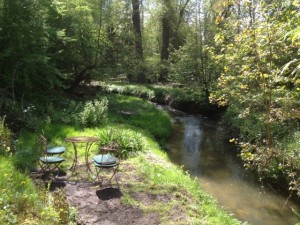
[{"x": 197, "y": 144}]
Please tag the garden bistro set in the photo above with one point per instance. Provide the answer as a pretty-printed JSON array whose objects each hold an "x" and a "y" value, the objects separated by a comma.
[{"x": 107, "y": 157}]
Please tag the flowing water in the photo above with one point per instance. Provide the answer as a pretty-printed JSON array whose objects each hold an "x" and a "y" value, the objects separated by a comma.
[{"x": 197, "y": 144}]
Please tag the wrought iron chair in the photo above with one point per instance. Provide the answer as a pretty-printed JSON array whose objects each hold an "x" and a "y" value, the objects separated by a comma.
[
  {"x": 107, "y": 159},
  {"x": 53, "y": 150},
  {"x": 51, "y": 159}
]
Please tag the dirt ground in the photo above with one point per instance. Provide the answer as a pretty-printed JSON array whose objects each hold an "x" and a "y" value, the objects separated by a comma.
[{"x": 101, "y": 204}]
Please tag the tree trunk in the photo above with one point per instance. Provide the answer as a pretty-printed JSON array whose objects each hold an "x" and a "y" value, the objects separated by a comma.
[
  {"x": 80, "y": 76},
  {"x": 165, "y": 43},
  {"x": 136, "y": 21}
]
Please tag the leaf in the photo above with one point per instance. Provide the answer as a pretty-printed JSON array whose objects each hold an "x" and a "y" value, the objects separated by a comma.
[{"x": 286, "y": 66}]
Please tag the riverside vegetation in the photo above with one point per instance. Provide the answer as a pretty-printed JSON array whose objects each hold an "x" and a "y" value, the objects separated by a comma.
[{"x": 24, "y": 202}]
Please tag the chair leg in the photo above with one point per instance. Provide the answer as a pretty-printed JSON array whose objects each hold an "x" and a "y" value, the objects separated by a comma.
[
  {"x": 98, "y": 170},
  {"x": 50, "y": 167}
]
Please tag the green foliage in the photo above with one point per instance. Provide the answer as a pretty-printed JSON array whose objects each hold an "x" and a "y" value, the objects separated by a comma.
[
  {"x": 19, "y": 201},
  {"x": 82, "y": 114},
  {"x": 129, "y": 141},
  {"x": 24, "y": 62},
  {"x": 5, "y": 138},
  {"x": 259, "y": 82},
  {"x": 193, "y": 65}
]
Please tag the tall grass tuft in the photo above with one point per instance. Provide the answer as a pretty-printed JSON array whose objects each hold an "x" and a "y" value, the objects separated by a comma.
[{"x": 129, "y": 141}]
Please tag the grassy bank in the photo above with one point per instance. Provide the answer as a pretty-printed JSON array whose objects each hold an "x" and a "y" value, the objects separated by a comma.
[
  {"x": 136, "y": 125},
  {"x": 182, "y": 98}
]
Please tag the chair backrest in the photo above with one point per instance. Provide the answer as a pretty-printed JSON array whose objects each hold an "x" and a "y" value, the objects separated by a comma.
[
  {"x": 111, "y": 148},
  {"x": 42, "y": 143}
]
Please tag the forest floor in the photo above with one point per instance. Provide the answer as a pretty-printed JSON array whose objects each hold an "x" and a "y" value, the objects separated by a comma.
[{"x": 103, "y": 205}]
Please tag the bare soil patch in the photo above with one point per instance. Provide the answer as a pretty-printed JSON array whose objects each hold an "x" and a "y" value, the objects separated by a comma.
[{"x": 102, "y": 204}]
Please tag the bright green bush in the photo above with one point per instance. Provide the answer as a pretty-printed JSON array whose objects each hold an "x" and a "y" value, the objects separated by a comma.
[
  {"x": 82, "y": 114},
  {"x": 94, "y": 113}
]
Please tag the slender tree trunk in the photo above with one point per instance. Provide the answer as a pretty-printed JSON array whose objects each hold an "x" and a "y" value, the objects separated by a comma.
[
  {"x": 136, "y": 21},
  {"x": 177, "y": 42},
  {"x": 164, "y": 50}
]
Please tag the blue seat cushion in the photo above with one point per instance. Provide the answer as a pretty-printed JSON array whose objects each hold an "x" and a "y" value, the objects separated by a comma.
[
  {"x": 52, "y": 159},
  {"x": 56, "y": 150},
  {"x": 105, "y": 165},
  {"x": 106, "y": 159}
]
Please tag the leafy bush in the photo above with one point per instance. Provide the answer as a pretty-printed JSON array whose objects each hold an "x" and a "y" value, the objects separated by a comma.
[
  {"x": 83, "y": 114},
  {"x": 25, "y": 159},
  {"x": 94, "y": 113}
]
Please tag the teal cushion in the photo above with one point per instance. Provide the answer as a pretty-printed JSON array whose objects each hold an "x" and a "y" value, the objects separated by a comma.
[
  {"x": 52, "y": 159},
  {"x": 106, "y": 159},
  {"x": 105, "y": 165},
  {"x": 56, "y": 150}
]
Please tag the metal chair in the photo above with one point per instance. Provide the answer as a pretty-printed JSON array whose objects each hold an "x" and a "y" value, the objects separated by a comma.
[
  {"x": 53, "y": 150},
  {"x": 51, "y": 159},
  {"x": 107, "y": 159}
]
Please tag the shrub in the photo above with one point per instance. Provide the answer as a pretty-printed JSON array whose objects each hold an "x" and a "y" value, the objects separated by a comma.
[
  {"x": 129, "y": 141},
  {"x": 83, "y": 114},
  {"x": 94, "y": 113}
]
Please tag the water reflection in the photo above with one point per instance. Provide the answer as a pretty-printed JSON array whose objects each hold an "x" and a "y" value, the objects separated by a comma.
[{"x": 196, "y": 144}]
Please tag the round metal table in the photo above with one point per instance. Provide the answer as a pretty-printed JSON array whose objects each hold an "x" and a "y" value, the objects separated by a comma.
[{"x": 81, "y": 139}]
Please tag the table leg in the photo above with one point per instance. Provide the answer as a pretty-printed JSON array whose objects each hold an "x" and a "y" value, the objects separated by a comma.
[
  {"x": 88, "y": 146},
  {"x": 75, "y": 157}
]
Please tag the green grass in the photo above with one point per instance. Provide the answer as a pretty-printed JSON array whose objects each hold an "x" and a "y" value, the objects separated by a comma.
[
  {"x": 20, "y": 202},
  {"x": 139, "y": 113},
  {"x": 161, "y": 94},
  {"x": 163, "y": 178}
]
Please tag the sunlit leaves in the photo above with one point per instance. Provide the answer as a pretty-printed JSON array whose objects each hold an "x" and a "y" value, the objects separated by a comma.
[{"x": 260, "y": 79}]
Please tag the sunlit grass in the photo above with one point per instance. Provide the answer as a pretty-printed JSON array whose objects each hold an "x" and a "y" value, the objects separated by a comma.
[
  {"x": 139, "y": 113},
  {"x": 159, "y": 93},
  {"x": 162, "y": 178},
  {"x": 20, "y": 202}
]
